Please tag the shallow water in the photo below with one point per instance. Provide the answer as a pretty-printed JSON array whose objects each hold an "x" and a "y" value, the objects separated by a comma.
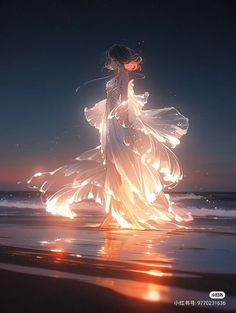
[{"x": 162, "y": 266}]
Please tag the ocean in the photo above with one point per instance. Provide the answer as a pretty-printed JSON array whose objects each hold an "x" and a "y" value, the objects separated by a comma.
[{"x": 161, "y": 266}]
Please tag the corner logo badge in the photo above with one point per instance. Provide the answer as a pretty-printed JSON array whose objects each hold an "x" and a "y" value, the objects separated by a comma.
[{"x": 217, "y": 295}]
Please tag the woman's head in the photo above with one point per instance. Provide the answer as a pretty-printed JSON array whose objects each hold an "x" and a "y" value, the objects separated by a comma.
[{"x": 120, "y": 55}]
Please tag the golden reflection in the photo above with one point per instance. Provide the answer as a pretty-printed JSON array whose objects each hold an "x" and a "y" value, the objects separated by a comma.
[
  {"x": 56, "y": 250},
  {"x": 152, "y": 294},
  {"x": 136, "y": 265},
  {"x": 148, "y": 263}
]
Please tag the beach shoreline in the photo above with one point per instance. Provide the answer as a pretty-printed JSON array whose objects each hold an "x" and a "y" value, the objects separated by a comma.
[
  {"x": 41, "y": 281},
  {"x": 35, "y": 294},
  {"x": 49, "y": 263}
]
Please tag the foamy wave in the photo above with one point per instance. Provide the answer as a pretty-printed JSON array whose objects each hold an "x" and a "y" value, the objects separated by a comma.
[
  {"x": 187, "y": 196},
  {"x": 21, "y": 204},
  {"x": 26, "y": 204},
  {"x": 201, "y": 212},
  {"x": 198, "y": 212}
]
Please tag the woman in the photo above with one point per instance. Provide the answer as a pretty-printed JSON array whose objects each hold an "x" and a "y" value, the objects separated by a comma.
[{"x": 128, "y": 171}]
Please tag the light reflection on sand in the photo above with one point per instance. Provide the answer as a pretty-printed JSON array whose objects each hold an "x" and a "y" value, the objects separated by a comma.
[{"x": 157, "y": 266}]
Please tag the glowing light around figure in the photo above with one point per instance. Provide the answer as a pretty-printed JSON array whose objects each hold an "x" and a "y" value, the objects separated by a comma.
[{"x": 131, "y": 168}]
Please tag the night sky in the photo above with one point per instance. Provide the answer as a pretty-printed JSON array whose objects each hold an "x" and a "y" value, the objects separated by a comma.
[{"x": 49, "y": 48}]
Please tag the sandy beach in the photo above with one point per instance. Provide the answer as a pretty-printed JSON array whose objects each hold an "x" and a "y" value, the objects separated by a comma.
[
  {"x": 30, "y": 293},
  {"x": 52, "y": 263}
]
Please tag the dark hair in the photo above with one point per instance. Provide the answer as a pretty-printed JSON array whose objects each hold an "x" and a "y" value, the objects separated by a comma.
[{"x": 125, "y": 56}]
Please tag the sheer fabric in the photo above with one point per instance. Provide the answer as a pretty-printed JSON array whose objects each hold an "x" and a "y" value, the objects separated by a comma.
[{"x": 130, "y": 169}]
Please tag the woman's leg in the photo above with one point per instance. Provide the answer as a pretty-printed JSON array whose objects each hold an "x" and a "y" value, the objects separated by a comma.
[{"x": 107, "y": 220}]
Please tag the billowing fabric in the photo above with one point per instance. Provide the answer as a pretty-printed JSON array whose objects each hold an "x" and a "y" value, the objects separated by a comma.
[{"x": 130, "y": 169}]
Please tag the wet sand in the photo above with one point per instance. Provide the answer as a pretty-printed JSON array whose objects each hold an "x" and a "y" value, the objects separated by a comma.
[
  {"x": 52, "y": 264},
  {"x": 36, "y": 280},
  {"x": 36, "y": 294}
]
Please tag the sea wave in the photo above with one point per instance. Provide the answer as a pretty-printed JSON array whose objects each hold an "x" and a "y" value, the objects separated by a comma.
[
  {"x": 205, "y": 212},
  {"x": 187, "y": 196},
  {"x": 21, "y": 204},
  {"x": 194, "y": 210}
]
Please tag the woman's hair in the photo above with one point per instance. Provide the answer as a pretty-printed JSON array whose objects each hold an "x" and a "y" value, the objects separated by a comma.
[{"x": 125, "y": 56}]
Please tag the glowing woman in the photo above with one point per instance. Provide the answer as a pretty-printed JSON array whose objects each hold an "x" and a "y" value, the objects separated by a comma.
[{"x": 128, "y": 171}]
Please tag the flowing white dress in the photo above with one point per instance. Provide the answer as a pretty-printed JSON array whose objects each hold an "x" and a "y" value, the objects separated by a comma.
[{"x": 128, "y": 172}]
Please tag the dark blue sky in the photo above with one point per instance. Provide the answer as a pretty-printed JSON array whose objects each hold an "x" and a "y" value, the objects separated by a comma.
[{"x": 48, "y": 48}]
